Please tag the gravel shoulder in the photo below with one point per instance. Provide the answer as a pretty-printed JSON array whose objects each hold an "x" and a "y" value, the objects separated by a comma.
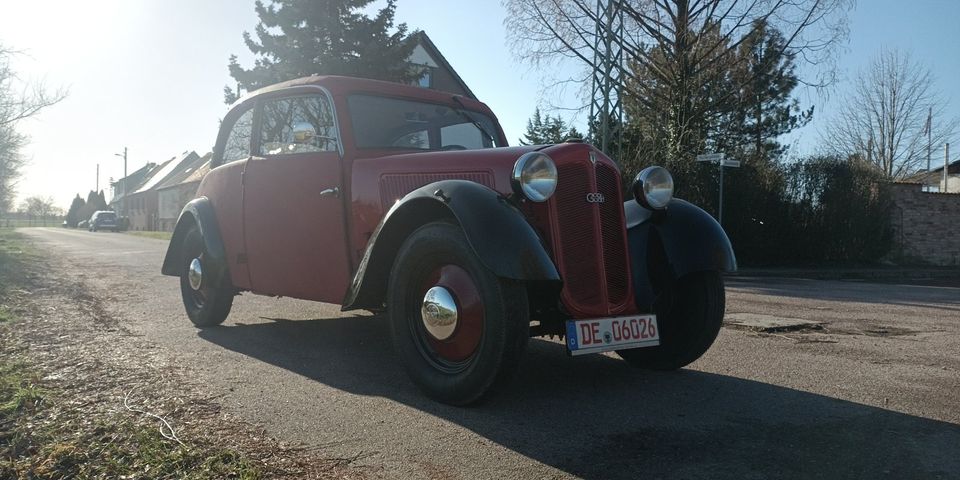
[
  {"x": 871, "y": 394},
  {"x": 108, "y": 403}
]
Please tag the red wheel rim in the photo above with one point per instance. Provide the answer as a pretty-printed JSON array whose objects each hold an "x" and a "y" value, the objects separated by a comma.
[{"x": 462, "y": 344}]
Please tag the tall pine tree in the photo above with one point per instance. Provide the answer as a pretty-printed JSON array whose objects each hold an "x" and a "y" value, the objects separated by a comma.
[
  {"x": 544, "y": 130},
  {"x": 298, "y": 38}
]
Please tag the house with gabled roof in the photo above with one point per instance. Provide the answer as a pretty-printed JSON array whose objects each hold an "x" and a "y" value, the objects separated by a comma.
[
  {"x": 127, "y": 185},
  {"x": 933, "y": 180},
  {"x": 438, "y": 74},
  {"x": 142, "y": 205},
  {"x": 178, "y": 189}
]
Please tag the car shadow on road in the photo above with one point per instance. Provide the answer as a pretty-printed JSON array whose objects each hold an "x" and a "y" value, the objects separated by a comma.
[{"x": 594, "y": 417}]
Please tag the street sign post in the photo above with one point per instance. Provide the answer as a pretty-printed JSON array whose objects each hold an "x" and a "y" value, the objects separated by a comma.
[
  {"x": 730, "y": 163},
  {"x": 721, "y": 160}
]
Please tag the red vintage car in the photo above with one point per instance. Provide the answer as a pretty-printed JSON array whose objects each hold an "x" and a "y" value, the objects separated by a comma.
[{"x": 394, "y": 198}]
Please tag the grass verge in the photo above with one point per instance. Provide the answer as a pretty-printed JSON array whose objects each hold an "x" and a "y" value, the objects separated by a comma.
[
  {"x": 157, "y": 235},
  {"x": 50, "y": 432}
]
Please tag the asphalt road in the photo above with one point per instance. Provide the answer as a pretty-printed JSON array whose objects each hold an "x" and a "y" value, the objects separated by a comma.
[{"x": 873, "y": 394}]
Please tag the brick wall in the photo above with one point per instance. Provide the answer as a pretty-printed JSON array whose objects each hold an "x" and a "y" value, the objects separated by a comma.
[{"x": 926, "y": 225}]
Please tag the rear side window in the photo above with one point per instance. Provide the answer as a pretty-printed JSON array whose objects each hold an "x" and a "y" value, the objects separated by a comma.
[
  {"x": 238, "y": 142},
  {"x": 302, "y": 124}
]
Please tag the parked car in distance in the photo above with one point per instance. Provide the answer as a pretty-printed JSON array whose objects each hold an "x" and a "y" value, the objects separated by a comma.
[
  {"x": 103, "y": 220},
  {"x": 398, "y": 199}
]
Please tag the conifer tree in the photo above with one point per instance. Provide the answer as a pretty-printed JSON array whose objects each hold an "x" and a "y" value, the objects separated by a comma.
[{"x": 298, "y": 38}]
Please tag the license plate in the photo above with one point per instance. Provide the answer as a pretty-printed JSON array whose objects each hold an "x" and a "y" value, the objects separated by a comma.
[{"x": 617, "y": 333}]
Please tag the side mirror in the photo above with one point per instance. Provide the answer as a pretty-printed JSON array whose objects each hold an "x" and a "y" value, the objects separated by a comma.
[{"x": 303, "y": 132}]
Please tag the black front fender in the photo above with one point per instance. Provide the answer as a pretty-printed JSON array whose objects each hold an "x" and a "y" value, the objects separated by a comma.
[
  {"x": 498, "y": 233},
  {"x": 198, "y": 212},
  {"x": 666, "y": 245}
]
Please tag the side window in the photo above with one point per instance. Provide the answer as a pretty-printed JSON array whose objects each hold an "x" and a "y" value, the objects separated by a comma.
[
  {"x": 297, "y": 125},
  {"x": 238, "y": 142}
]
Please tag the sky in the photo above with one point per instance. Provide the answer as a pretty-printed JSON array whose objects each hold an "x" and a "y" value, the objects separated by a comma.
[{"x": 149, "y": 74}]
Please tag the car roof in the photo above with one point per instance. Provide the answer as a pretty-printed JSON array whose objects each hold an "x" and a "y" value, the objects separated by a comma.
[{"x": 340, "y": 86}]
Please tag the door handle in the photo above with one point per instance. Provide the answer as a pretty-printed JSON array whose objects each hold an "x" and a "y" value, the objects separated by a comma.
[{"x": 330, "y": 192}]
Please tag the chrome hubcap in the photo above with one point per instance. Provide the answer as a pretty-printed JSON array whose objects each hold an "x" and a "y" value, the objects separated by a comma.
[
  {"x": 439, "y": 312},
  {"x": 195, "y": 274}
]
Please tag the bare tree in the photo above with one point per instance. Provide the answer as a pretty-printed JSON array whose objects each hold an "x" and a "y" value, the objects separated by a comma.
[
  {"x": 674, "y": 49},
  {"x": 42, "y": 207},
  {"x": 888, "y": 115},
  {"x": 18, "y": 101}
]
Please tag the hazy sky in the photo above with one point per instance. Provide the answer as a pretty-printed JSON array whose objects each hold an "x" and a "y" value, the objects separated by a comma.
[{"x": 149, "y": 75}]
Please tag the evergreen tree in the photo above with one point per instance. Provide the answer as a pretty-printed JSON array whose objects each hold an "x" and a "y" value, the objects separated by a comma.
[
  {"x": 73, "y": 215},
  {"x": 298, "y": 38},
  {"x": 546, "y": 130},
  {"x": 763, "y": 78},
  {"x": 95, "y": 202}
]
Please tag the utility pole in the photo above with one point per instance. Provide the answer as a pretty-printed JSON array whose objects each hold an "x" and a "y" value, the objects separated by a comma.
[
  {"x": 929, "y": 141},
  {"x": 124, "y": 180},
  {"x": 606, "y": 106},
  {"x": 97, "y": 188},
  {"x": 946, "y": 165}
]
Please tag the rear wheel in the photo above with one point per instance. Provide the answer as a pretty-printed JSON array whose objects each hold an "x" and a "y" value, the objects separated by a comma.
[
  {"x": 689, "y": 321},
  {"x": 206, "y": 305},
  {"x": 458, "y": 329}
]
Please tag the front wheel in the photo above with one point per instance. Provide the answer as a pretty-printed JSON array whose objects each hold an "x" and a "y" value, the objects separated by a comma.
[
  {"x": 207, "y": 305},
  {"x": 689, "y": 321},
  {"x": 458, "y": 329}
]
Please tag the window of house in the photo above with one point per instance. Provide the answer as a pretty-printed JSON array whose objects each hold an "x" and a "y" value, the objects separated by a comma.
[
  {"x": 426, "y": 79},
  {"x": 238, "y": 142},
  {"x": 297, "y": 125}
]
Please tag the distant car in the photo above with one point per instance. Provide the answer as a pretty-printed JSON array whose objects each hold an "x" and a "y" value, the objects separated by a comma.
[{"x": 103, "y": 220}]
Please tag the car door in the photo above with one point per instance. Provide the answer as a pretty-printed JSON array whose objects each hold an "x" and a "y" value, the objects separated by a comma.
[{"x": 293, "y": 211}]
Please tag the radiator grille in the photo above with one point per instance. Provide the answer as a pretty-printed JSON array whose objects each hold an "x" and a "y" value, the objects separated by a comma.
[
  {"x": 611, "y": 229},
  {"x": 591, "y": 239},
  {"x": 578, "y": 240}
]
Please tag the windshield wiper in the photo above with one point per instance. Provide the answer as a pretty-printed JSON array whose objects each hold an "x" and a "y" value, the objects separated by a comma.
[{"x": 462, "y": 111}]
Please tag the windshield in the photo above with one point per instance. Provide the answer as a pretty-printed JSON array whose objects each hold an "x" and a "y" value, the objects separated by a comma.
[{"x": 381, "y": 122}]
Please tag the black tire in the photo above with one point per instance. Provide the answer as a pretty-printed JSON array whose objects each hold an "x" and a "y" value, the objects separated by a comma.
[
  {"x": 503, "y": 318},
  {"x": 689, "y": 323},
  {"x": 207, "y": 306}
]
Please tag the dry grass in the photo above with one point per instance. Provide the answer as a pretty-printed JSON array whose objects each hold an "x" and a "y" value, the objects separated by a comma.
[{"x": 82, "y": 397}]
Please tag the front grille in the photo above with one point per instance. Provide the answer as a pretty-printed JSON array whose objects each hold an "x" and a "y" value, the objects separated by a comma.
[
  {"x": 614, "y": 244},
  {"x": 591, "y": 243},
  {"x": 578, "y": 239}
]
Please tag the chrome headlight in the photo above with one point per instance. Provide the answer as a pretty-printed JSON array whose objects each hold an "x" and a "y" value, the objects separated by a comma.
[
  {"x": 534, "y": 176},
  {"x": 653, "y": 188}
]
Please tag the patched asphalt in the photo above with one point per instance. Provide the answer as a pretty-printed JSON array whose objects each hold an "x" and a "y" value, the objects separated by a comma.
[{"x": 874, "y": 393}]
